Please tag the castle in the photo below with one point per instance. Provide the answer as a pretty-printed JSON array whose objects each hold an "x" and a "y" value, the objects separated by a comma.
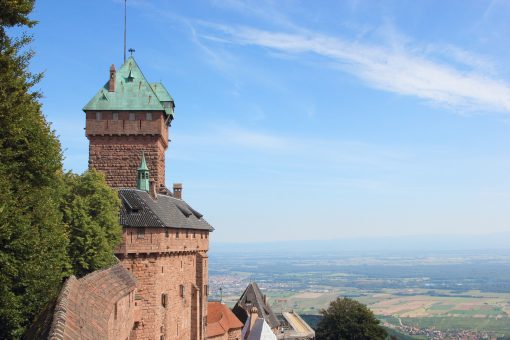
[{"x": 159, "y": 288}]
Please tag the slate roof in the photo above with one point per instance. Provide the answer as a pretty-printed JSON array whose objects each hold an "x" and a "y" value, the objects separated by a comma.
[
  {"x": 133, "y": 92},
  {"x": 139, "y": 209},
  {"x": 220, "y": 319},
  {"x": 253, "y": 297}
]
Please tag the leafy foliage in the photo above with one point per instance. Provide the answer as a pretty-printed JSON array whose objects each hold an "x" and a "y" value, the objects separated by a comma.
[
  {"x": 349, "y": 319},
  {"x": 91, "y": 211},
  {"x": 51, "y": 225},
  {"x": 33, "y": 240}
]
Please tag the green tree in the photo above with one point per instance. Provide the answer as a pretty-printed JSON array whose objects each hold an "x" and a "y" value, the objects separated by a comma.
[
  {"x": 348, "y": 319},
  {"x": 91, "y": 211},
  {"x": 33, "y": 240}
]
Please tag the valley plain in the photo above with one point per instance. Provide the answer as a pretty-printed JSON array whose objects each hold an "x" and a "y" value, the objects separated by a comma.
[{"x": 440, "y": 294}]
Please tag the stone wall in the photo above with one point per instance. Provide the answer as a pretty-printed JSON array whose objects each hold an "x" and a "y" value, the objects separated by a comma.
[
  {"x": 161, "y": 240},
  {"x": 97, "y": 306},
  {"x": 122, "y": 317},
  {"x": 171, "y": 270},
  {"x": 119, "y": 157},
  {"x": 234, "y": 334},
  {"x": 170, "y": 274},
  {"x": 116, "y": 146}
]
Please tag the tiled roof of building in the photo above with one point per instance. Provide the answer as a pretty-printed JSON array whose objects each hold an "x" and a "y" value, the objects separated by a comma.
[
  {"x": 132, "y": 92},
  {"x": 139, "y": 209},
  {"x": 220, "y": 319},
  {"x": 253, "y": 297},
  {"x": 83, "y": 307}
]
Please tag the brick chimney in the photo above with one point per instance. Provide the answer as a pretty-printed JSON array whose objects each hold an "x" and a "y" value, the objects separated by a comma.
[
  {"x": 152, "y": 189},
  {"x": 254, "y": 315},
  {"x": 178, "y": 190},
  {"x": 112, "y": 83}
]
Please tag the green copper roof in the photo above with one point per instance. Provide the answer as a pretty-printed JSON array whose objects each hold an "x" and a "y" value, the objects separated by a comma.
[
  {"x": 142, "y": 181},
  {"x": 143, "y": 164},
  {"x": 164, "y": 97},
  {"x": 161, "y": 92},
  {"x": 133, "y": 92}
]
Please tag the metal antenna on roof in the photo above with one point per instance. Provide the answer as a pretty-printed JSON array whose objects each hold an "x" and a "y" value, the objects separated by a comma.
[
  {"x": 125, "y": 20},
  {"x": 131, "y": 50}
]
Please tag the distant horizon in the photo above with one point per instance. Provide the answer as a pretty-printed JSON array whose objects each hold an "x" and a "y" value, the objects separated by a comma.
[{"x": 419, "y": 243}]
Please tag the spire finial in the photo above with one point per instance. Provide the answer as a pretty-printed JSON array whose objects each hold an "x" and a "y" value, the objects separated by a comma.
[
  {"x": 142, "y": 182},
  {"x": 125, "y": 22}
]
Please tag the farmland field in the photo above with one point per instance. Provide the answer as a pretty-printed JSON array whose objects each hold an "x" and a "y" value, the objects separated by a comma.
[{"x": 417, "y": 295}]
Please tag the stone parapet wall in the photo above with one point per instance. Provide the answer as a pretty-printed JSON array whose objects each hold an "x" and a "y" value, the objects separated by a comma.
[
  {"x": 123, "y": 125},
  {"x": 164, "y": 240},
  {"x": 97, "y": 306}
]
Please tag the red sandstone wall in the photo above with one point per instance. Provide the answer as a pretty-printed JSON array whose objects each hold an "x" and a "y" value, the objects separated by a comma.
[
  {"x": 202, "y": 282},
  {"x": 164, "y": 240},
  {"x": 220, "y": 337},
  {"x": 116, "y": 146},
  {"x": 122, "y": 318},
  {"x": 233, "y": 334},
  {"x": 163, "y": 274},
  {"x": 119, "y": 157},
  {"x": 161, "y": 265}
]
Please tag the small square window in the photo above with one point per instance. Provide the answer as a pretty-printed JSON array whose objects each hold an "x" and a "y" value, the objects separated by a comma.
[
  {"x": 148, "y": 116},
  {"x": 115, "y": 116},
  {"x": 99, "y": 116},
  {"x": 140, "y": 233},
  {"x": 164, "y": 299},
  {"x": 176, "y": 234},
  {"x": 187, "y": 234},
  {"x": 181, "y": 290},
  {"x": 131, "y": 116},
  {"x": 167, "y": 233}
]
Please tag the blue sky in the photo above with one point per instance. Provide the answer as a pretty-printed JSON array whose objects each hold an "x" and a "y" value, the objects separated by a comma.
[{"x": 307, "y": 119}]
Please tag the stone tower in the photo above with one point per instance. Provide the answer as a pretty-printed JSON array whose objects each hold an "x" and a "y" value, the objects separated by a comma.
[
  {"x": 128, "y": 115},
  {"x": 164, "y": 241}
]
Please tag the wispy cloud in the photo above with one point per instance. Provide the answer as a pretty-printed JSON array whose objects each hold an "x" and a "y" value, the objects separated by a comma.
[
  {"x": 293, "y": 150},
  {"x": 400, "y": 67}
]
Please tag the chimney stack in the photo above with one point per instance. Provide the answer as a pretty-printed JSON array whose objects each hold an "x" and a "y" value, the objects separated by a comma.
[
  {"x": 112, "y": 84},
  {"x": 178, "y": 190},
  {"x": 254, "y": 315},
  {"x": 152, "y": 189}
]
